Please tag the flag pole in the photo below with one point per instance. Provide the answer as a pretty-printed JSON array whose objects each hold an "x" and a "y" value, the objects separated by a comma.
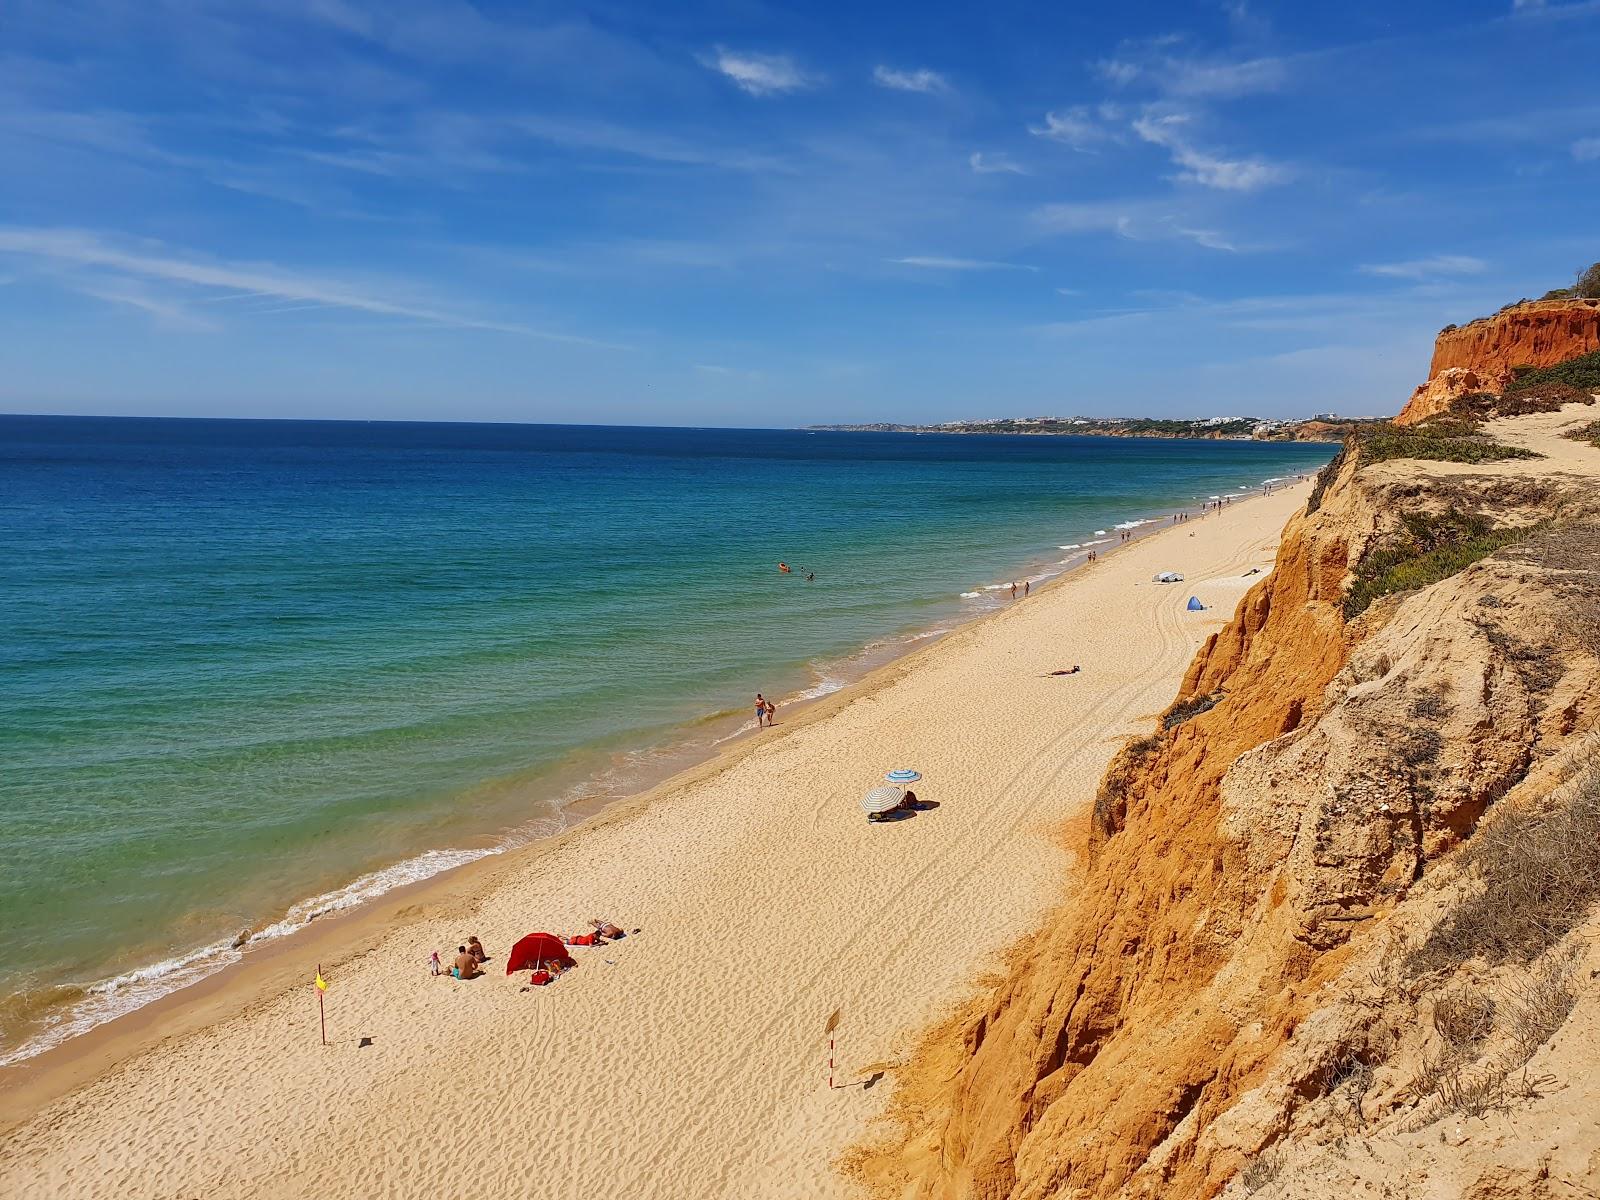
[
  {"x": 322, "y": 1013},
  {"x": 833, "y": 1024}
]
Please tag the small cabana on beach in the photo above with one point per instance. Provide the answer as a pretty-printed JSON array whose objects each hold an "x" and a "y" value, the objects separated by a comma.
[
  {"x": 1167, "y": 577},
  {"x": 1194, "y": 604}
]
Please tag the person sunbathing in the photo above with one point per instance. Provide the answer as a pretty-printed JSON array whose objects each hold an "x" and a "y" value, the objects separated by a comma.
[
  {"x": 466, "y": 966},
  {"x": 606, "y": 929},
  {"x": 475, "y": 948}
]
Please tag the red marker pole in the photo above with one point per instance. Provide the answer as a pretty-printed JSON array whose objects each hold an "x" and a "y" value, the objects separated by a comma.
[
  {"x": 322, "y": 1013},
  {"x": 833, "y": 1023}
]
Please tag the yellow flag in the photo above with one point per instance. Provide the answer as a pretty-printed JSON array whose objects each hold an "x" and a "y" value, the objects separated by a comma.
[{"x": 322, "y": 984}]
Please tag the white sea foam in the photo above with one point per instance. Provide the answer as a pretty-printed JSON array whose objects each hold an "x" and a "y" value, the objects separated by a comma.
[
  {"x": 825, "y": 687},
  {"x": 972, "y": 595},
  {"x": 1071, "y": 546},
  {"x": 1099, "y": 533},
  {"x": 1135, "y": 524},
  {"x": 132, "y": 990}
]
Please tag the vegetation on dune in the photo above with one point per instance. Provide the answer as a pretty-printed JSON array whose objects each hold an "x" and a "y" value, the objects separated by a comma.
[
  {"x": 1424, "y": 550},
  {"x": 1581, "y": 375},
  {"x": 1586, "y": 433},
  {"x": 1444, "y": 439}
]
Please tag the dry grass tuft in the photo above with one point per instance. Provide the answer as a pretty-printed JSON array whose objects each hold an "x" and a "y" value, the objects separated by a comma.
[
  {"x": 1464, "y": 1018},
  {"x": 1261, "y": 1170},
  {"x": 1540, "y": 872},
  {"x": 1539, "y": 1006}
]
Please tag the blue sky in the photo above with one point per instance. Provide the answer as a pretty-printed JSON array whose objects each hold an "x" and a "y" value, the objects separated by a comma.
[{"x": 744, "y": 214}]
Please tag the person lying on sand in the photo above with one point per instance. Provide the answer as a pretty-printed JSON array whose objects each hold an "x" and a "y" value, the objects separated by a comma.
[
  {"x": 475, "y": 948},
  {"x": 606, "y": 929},
  {"x": 1072, "y": 670},
  {"x": 466, "y": 966}
]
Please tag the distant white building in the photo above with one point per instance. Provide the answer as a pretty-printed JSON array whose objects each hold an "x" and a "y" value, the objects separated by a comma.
[{"x": 1327, "y": 416}]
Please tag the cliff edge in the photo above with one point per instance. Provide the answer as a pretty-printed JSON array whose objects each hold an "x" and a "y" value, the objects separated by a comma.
[
  {"x": 1483, "y": 355},
  {"x": 1334, "y": 934}
]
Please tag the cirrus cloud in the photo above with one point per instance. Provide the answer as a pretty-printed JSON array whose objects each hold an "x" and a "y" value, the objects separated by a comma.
[
  {"x": 921, "y": 80},
  {"x": 1427, "y": 268},
  {"x": 759, "y": 74}
]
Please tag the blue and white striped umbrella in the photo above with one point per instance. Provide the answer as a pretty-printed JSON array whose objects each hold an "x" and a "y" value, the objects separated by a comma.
[
  {"x": 903, "y": 775},
  {"x": 881, "y": 800}
]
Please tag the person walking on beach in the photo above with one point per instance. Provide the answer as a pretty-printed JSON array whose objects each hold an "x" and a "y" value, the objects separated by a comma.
[
  {"x": 761, "y": 710},
  {"x": 771, "y": 708},
  {"x": 1027, "y": 586},
  {"x": 1013, "y": 589}
]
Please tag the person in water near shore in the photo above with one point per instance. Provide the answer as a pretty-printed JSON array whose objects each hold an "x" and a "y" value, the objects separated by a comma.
[
  {"x": 761, "y": 709},
  {"x": 1013, "y": 589},
  {"x": 466, "y": 966},
  {"x": 1027, "y": 586},
  {"x": 811, "y": 576},
  {"x": 771, "y": 708}
]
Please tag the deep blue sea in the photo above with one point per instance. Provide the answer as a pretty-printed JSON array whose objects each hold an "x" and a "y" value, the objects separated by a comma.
[{"x": 255, "y": 670}]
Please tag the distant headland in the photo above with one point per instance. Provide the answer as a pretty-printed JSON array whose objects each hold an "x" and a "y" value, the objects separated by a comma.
[{"x": 1322, "y": 427}]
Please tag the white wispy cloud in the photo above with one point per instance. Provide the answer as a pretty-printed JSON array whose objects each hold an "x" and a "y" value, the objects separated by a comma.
[
  {"x": 1081, "y": 127},
  {"x": 995, "y": 164},
  {"x": 1195, "y": 79},
  {"x": 1135, "y": 220},
  {"x": 1202, "y": 167},
  {"x": 164, "y": 312},
  {"x": 935, "y": 262},
  {"x": 120, "y": 263},
  {"x": 581, "y": 133},
  {"x": 1586, "y": 149},
  {"x": 760, "y": 74},
  {"x": 1427, "y": 268},
  {"x": 921, "y": 80}
]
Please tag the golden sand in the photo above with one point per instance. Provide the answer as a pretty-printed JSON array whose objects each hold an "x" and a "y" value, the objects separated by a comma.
[{"x": 689, "y": 1060}]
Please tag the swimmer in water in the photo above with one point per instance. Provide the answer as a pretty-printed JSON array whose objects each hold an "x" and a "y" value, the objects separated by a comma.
[{"x": 811, "y": 576}]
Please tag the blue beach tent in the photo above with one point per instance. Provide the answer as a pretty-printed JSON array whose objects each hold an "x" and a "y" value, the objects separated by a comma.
[{"x": 1195, "y": 605}]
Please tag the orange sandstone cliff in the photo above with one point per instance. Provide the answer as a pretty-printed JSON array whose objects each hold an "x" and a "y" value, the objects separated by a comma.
[
  {"x": 1479, "y": 356},
  {"x": 1234, "y": 982}
]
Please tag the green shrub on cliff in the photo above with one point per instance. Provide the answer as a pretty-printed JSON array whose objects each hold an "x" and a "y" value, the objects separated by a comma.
[
  {"x": 1581, "y": 375},
  {"x": 1586, "y": 433},
  {"x": 1441, "y": 440},
  {"x": 1424, "y": 550},
  {"x": 1588, "y": 285}
]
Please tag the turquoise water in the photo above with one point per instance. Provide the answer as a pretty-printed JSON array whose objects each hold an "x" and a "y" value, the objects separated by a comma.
[{"x": 258, "y": 670}]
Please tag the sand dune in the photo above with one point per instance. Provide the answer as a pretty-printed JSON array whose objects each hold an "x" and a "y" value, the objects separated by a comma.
[{"x": 688, "y": 1061}]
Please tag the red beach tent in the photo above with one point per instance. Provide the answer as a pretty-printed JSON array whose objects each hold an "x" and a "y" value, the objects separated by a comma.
[{"x": 536, "y": 950}]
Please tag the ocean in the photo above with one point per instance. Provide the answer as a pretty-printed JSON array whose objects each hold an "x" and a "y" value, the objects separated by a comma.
[{"x": 256, "y": 671}]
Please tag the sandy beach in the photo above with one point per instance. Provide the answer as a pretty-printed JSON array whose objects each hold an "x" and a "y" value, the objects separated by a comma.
[{"x": 688, "y": 1060}]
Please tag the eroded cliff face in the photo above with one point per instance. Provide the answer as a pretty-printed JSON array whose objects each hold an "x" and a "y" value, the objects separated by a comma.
[
  {"x": 1480, "y": 356},
  {"x": 1171, "y": 1021}
]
